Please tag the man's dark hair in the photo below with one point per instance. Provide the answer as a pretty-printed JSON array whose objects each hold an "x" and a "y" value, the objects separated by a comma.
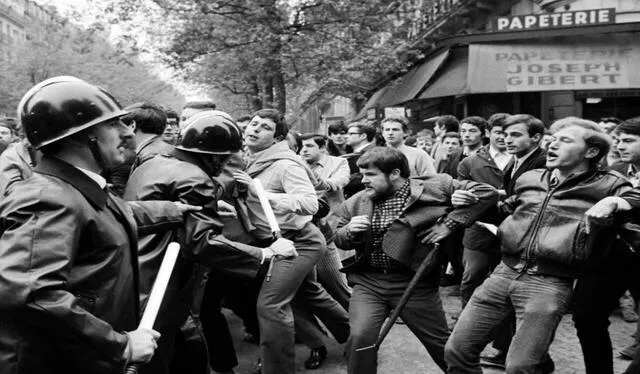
[
  {"x": 411, "y": 141},
  {"x": 297, "y": 139},
  {"x": 615, "y": 120},
  {"x": 449, "y": 123},
  {"x": 243, "y": 118},
  {"x": 201, "y": 104},
  {"x": 320, "y": 140},
  {"x": 397, "y": 119},
  {"x": 9, "y": 123},
  {"x": 366, "y": 129},
  {"x": 476, "y": 121},
  {"x": 497, "y": 119},
  {"x": 533, "y": 124},
  {"x": 337, "y": 128},
  {"x": 273, "y": 114},
  {"x": 149, "y": 118},
  {"x": 425, "y": 132},
  {"x": 452, "y": 134},
  {"x": 386, "y": 159},
  {"x": 630, "y": 126},
  {"x": 171, "y": 114}
]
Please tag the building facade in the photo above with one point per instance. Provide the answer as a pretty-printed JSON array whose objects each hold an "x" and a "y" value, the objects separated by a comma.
[
  {"x": 549, "y": 58},
  {"x": 22, "y": 20}
]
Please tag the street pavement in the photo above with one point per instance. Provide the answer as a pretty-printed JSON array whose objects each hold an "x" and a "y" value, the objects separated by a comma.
[{"x": 402, "y": 353}]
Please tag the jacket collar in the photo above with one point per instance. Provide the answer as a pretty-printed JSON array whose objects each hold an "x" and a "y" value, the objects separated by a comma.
[
  {"x": 278, "y": 151},
  {"x": 529, "y": 156},
  {"x": 80, "y": 181},
  {"x": 146, "y": 143},
  {"x": 323, "y": 161},
  {"x": 188, "y": 157},
  {"x": 484, "y": 153},
  {"x": 573, "y": 179},
  {"x": 362, "y": 148},
  {"x": 416, "y": 186}
]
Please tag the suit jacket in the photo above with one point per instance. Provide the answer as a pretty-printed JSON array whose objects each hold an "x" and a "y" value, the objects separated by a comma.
[
  {"x": 480, "y": 167},
  {"x": 450, "y": 165},
  {"x": 430, "y": 200},
  {"x": 537, "y": 160}
]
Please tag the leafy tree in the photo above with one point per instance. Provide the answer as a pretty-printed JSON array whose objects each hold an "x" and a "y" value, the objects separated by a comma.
[
  {"x": 68, "y": 50},
  {"x": 262, "y": 49}
]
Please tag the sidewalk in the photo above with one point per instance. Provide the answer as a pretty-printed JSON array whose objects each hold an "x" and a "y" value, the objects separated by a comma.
[{"x": 402, "y": 353}]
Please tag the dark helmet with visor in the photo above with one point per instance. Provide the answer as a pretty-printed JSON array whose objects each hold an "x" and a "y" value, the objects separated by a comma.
[
  {"x": 62, "y": 106},
  {"x": 211, "y": 132}
]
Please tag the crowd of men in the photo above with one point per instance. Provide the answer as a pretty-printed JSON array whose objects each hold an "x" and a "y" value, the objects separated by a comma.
[{"x": 533, "y": 221}]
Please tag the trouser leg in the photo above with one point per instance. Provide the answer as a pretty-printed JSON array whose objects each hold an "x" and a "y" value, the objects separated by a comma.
[
  {"x": 274, "y": 310},
  {"x": 367, "y": 312},
  {"x": 425, "y": 317},
  {"x": 596, "y": 296},
  {"x": 306, "y": 325},
  {"x": 539, "y": 303},
  {"x": 477, "y": 265},
  {"x": 330, "y": 277},
  {"x": 488, "y": 307},
  {"x": 222, "y": 353},
  {"x": 322, "y": 305}
]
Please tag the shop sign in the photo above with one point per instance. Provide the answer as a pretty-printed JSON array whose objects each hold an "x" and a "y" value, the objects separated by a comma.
[
  {"x": 397, "y": 111},
  {"x": 512, "y": 68},
  {"x": 556, "y": 20}
]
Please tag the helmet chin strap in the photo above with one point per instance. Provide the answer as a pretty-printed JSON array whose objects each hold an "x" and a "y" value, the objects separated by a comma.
[
  {"x": 215, "y": 163},
  {"x": 97, "y": 155}
]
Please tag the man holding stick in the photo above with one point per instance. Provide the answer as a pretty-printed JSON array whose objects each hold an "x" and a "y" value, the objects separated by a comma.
[
  {"x": 392, "y": 225},
  {"x": 287, "y": 182},
  {"x": 186, "y": 174},
  {"x": 68, "y": 245}
]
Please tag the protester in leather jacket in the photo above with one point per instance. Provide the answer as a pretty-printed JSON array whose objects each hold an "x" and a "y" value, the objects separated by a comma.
[{"x": 545, "y": 246}]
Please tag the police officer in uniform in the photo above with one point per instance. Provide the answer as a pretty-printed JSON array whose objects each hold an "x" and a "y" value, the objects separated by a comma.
[
  {"x": 187, "y": 174},
  {"x": 68, "y": 246}
]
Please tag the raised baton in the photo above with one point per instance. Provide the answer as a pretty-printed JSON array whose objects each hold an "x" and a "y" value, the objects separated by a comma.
[
  {"x": 271, "y": 219},
  {"x": 157, "y": 293}
]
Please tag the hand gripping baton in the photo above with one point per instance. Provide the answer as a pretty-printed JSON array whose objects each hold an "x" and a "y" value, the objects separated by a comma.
[
  {"x": 271, "y": 219},
  {"x": 157, "y": 293},
  {"x": 429, "y": 262}
]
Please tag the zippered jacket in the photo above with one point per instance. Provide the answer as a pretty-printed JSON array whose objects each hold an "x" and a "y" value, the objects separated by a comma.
[{"x": 545, "y": 233}]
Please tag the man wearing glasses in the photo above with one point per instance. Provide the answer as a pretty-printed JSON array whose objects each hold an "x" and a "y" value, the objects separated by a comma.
[{"x": 360, "y": 136}]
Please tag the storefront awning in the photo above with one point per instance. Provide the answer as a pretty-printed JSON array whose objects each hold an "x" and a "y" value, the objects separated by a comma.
[
  {"x": 372, "y": 102},
  {"x": 609, "y": 62},
  {"x": 406, "y": 87},
  {"x": 452, "y": 79},
  {"x": 409, "y": 85}
]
